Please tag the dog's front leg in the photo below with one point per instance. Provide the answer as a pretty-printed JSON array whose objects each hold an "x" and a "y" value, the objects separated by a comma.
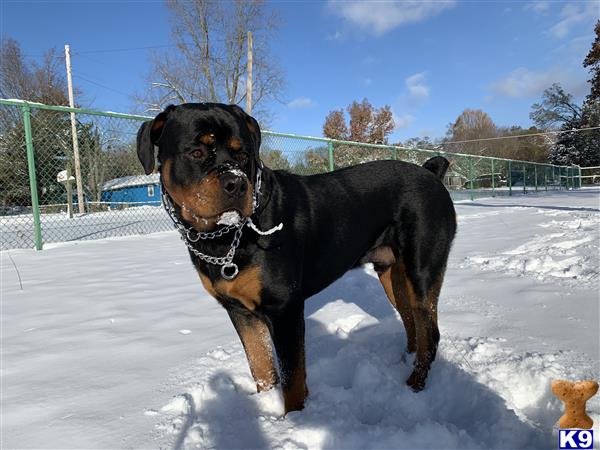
[
  {"x": 254, "y": 334},
  {"x": 288, "y": 337}
]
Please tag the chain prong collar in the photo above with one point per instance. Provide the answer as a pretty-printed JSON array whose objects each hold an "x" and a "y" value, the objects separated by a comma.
[{"x": 229, "y": 270}]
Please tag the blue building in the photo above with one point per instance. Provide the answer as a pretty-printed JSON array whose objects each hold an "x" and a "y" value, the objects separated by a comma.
[{"x": 134, "y": 190}]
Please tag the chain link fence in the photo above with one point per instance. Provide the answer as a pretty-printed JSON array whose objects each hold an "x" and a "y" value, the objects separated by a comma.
[{"x": 38, "y": 189}]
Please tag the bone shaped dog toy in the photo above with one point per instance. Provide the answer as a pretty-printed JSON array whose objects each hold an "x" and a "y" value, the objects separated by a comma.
[{"x": 574, "y": 396}]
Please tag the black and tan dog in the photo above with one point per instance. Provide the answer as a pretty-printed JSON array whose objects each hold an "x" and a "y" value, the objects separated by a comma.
[{"x": 397, "y": 215}]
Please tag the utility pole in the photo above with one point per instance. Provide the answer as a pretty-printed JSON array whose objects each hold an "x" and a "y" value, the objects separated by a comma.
[
  {"x": 249, "y": 78},
  {"x": 80, "y": 199}
]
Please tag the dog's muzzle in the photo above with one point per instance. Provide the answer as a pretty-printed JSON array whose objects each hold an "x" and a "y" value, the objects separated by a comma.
[{"x": 234, "y": 185}]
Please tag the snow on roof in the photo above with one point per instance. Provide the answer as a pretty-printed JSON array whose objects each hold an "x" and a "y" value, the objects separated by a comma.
[{"x": 132, "y": 180}]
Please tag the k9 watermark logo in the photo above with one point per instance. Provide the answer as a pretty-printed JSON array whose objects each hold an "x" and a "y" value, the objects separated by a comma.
[{"x": 568, "y": 438}]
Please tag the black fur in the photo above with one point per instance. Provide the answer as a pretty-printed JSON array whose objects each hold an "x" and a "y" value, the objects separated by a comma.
[{"x": 331, "y": 223}]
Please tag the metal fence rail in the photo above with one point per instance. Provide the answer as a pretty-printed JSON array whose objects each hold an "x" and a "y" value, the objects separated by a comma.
[
  {"x": 36, "y": 145},
  {"x": 590, "y": 175}
]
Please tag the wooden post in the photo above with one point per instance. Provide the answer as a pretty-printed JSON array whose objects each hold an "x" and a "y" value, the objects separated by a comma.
[
  {"x": 80, "y": 199},
  {"x": 69, "y": 192},
  {"x": 249, "y": 78}
]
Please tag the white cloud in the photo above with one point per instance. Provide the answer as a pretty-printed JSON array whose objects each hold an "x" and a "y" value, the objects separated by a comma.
[
  {"x": 403, "y": 121},
  {"x": 337, "y": 36},
  {"x": 380, "y": 17},
  {"x": 538, "y": 7},
  {"x": 301, "y": 102},
  {"x": 573, "y": 14},
  {"x": 523, "y": 82},
  {"x": 416, "y": 88},
  {"x": 367, "y": 81}
]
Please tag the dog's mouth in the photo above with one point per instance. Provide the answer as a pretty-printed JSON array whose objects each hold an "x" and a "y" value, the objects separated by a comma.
[{"x": 230, "y": 217}]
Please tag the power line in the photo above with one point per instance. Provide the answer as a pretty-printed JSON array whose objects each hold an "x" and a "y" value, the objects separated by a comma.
[
  {"x": 116, "y": 50},
  {"x": 546, "y": 133},
  {"x": 101, "y": 85},
  {"x": 130, "y": 49},
  {"x": 149, "y": 47}
]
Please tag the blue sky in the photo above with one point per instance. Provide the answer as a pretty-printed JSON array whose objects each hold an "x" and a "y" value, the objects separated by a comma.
[{"x": 427, "y": 60}]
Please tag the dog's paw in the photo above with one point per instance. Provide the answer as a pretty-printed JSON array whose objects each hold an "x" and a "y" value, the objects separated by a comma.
[{"x": 416, "y": 380}]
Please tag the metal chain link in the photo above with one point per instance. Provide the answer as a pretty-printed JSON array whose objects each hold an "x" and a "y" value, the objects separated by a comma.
[{"x": 226, "y": 262}]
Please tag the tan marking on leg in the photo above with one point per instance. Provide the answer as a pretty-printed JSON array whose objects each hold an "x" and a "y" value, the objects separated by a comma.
[
  {"x": 427, "y": 334},
  {"x": 386, "y": 281},
  {"x": 256, "y": 340},
  {"x": 246, "y": 287},
  {"x": 401, "y": 294},
  {"x": 433, "y": 296}
]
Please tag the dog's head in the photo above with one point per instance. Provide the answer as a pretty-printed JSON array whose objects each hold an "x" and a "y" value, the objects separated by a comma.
[{"x": 209, "y": 154}]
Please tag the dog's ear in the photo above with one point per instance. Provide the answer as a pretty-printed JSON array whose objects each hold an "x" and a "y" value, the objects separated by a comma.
[
  {"x": 147, "y": 137},
  {"x": 251, "y": 124}
]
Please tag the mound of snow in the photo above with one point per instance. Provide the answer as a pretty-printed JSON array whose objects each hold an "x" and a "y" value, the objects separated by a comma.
[
  {"x": 570, "y": 253},
  {"x": 479, "y": 395}
]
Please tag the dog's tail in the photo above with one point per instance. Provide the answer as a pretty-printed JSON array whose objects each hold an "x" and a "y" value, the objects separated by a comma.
[{"x": 438, "y": 165}]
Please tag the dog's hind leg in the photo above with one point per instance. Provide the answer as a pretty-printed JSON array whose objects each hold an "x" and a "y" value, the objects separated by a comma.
[
  {"x": 254, "y": 334},
  {"x": 400, "y": 293},
  {"x": 427, "y": 332},
  {"x": 417, "y": 305}
]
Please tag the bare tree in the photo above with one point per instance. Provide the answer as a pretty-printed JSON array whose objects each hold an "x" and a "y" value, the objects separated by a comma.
[
  {"x": 208, "y": 60},
  {"x": 556, "y": 109},
  {"x": 36, "y": 82},
  {"x": 472, "y": 124}
]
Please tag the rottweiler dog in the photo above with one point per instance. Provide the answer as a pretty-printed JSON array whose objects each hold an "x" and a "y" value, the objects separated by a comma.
[{"x": 396, "y": 215}]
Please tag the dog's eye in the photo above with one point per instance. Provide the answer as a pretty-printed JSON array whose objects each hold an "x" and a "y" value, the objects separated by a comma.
[
  {"x": 242, "y": 157},
  {"x": 197, "y": 153}
]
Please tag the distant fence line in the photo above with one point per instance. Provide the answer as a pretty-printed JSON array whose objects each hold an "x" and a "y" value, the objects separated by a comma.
[{"x": 36, "y": 146}]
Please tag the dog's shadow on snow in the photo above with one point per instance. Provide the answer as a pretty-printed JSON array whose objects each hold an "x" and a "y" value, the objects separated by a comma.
[{"x": 358, "y": 396}]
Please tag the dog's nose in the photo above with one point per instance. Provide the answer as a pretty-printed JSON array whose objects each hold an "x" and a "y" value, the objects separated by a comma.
[{"x": 233, "y": 185}]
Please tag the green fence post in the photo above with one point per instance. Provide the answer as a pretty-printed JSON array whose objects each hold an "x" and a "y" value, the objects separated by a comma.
[
  {"x": 394, "y": 153},
  {"x": 509, "y": 178},
  {"x": 330, "y": 148},
  {"x": 535, "y": 175},
  {"x": 471, "y": 175},
  {"x": 579, "y": 170},
  {"x": 35, "y": 206},
  {"x": 493, "y": 181},
  {"x": 546, "y": 178},
  {"x": 524, "y": 179}
]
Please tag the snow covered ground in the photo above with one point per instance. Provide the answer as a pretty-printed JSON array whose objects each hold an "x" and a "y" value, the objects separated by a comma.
[{"x": 114, "y": 344}]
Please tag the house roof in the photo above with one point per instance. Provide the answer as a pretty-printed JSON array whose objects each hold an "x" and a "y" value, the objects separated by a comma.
[{"x": 132, "y": 180}]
